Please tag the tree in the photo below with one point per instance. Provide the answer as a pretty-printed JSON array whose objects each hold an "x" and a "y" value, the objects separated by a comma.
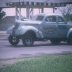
[
  {"x": 2, "y": 13},
  {"x": 67, "y": 12}
]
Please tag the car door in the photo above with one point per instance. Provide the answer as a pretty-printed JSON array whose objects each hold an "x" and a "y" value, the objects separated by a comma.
[
  {"x": 62, "y": 27},
  {"x": 50, "y": 27}
]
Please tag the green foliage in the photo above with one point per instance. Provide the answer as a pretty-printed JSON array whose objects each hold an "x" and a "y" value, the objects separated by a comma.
[
  {"x": 2, "y": 13},
  {"x": 50, "y": 63},
  {"x": 67, "y": 12},
  {"x": 68, "y": 17}
]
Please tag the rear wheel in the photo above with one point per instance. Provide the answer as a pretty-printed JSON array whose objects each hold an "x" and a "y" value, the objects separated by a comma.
[
  {"x": 70, "y": 39},
  {"x": 28, "y": 40},
  {"x": 13, "y": 40}
]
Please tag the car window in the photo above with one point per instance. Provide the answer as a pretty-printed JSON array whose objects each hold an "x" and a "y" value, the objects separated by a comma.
[
  {"x": 60, "y": 19},
  {"x": 50, "y": 19}
]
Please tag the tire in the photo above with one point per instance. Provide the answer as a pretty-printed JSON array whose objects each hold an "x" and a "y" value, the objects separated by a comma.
[
  {"x": 70, "y": 39},
  {"x": 28, "y": 40},
  {"x": 13, "y": 40},
  {"x": 55, "y": 41}
]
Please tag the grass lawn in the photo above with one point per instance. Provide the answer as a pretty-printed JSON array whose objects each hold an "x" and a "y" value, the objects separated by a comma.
[{"x": 50, "y": 63}]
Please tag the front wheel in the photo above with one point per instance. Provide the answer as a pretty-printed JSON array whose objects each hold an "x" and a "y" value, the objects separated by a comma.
[
  {"x": 13, "y": 40},
  {"x": 28, "y": 40}
]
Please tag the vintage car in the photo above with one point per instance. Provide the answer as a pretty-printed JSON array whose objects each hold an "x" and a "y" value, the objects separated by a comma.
[{"x": 42, "y": 27}]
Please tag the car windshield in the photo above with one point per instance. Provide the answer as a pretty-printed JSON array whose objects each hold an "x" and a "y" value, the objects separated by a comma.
[{"x": 38, "y": 17}]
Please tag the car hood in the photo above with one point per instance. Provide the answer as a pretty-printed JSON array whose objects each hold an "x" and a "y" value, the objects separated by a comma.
[{"x": 28, "y": 22}]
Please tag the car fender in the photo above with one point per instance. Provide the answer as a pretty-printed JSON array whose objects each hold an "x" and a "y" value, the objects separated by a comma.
[
  {"x": 23, "y": 29},
  {"x": 69, "y": 32},
  {"x": 10, "y": 29}
]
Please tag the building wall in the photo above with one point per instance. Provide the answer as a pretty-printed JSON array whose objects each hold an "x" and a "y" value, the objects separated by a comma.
[{"x": 3, "y": 2}]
